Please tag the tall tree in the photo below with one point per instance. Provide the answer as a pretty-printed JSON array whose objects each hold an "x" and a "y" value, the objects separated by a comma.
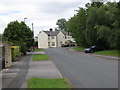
[
  {"x": 97, "y": 24},
  {"x": 61, "y": 24},
  {"x": 77, "y": 26},
  {"x": 0, "y": 37},
  {"x": 19, "y": 34}
]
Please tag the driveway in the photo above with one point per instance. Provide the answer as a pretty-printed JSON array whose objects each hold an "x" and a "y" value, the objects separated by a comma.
[{"x": 84, "y": 70}]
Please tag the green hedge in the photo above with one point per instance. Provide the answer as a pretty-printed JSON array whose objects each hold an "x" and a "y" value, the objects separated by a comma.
[{"x": 15, "y": 52}]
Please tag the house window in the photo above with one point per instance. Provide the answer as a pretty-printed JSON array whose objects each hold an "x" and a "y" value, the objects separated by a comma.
[
  {"x": 65, "y": 36},
  {"x": 48, "y": 43},
  {"x": 61, "y": 43},
  {"x": 48, "y": 38},
  {"x": 53, "y": 43},
  {"x": 52, "y": 37}
]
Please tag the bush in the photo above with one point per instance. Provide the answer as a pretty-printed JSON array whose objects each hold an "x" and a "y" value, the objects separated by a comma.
[{"x": 15, "y": 51}]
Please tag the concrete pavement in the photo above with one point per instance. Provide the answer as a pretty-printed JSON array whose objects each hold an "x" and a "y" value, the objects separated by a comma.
[
  {"x": 41, "y": 69},
  {"x": 14, "y": 76},
  {"x": 21, "y": 71}
]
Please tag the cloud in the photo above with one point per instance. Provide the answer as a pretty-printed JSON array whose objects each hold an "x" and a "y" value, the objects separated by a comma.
[
  {"x": 43, "y": 13},
  {"x": 9, "y": 12},
  {"x": 59, "y": 7}
]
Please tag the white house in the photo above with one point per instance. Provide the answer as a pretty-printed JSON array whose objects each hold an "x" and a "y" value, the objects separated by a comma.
[{"x": 47, "y": 39}]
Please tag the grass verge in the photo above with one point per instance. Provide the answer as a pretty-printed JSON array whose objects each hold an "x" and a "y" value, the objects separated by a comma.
[
  {"x": 47, "y": 83},
  {"x": 38, "y": 57},
  {"x": 79, "y": 48},
  {"x": 39, "y": 50},
  {"x": 108, "y": 52}
]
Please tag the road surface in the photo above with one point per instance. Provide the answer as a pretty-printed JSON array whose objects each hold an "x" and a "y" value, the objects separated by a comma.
[{"x": 85, "y": 70}]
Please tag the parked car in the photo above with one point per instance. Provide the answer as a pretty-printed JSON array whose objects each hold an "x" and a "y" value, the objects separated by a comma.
[
  {"x": 93, "y": 49},
  {"x": 65, "y": 45}
]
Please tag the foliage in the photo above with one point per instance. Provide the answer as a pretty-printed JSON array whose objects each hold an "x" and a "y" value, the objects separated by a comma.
[
  {"x": 108, "y": 52},
  {"x": 39, "y": 50},
  {"x": 77, "y": 25},
  {"x": 79, "y": 48},
  {"x": 38, "y": 57},
  {"x": 0, "y": 37},
  {"x": 47, "y": 83},
  {"x": 19, "y": 34},
  {"x": 96, "y": 24},
  {"x": 61, "y": 24},
  {"x": 15, "y": 51}
]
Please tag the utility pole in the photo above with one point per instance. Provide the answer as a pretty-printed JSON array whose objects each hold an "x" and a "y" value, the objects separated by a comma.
[{"x": 32, "y": 27}]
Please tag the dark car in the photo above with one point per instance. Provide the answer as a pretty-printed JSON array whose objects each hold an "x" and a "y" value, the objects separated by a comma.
[
  {"x": 65, "y": 45},
  {"x": 92, "y": 49}
]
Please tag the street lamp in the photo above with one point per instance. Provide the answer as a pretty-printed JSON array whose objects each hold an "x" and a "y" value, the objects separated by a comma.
[{"x": 24, "y": 19}]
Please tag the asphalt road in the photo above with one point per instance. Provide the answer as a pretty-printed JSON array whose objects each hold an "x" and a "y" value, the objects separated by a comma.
[{"x": 84, "y": 70}]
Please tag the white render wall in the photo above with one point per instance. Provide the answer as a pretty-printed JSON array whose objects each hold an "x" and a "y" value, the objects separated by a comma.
[
  {"x": 42, "y": 40},
  {"x": 52, "y": 40},
  {"x": 60, "y": 39},
  {"x": 69, "y": 38}
]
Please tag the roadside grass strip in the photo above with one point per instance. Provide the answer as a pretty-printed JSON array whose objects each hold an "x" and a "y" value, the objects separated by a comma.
[
  {"x": 79, "y": 48},
  {"x": 39, "y": 57},
  {"x": 47, "y": 83},
  {"x": 108, "y": 52},
  {"x": 39, "y": 50}
]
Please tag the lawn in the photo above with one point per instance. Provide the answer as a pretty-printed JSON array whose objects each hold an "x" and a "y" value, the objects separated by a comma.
[
  {"x": 39, "y": 50},
  {"x": 108, "y": 52},
  {"x": 38, "y": 57},
  {"x": 47, "y": 83},
  {"x": 79, "y": 48}
]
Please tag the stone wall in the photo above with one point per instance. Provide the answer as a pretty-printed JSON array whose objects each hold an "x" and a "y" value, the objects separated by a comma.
[{"x": 8, "y": 59}]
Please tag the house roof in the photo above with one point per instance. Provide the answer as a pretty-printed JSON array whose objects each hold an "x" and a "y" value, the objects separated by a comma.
[
  {"x": 55, "y": 33},
  {"x": 51, "y": 33},
  {"x": 65, "y": 33}
]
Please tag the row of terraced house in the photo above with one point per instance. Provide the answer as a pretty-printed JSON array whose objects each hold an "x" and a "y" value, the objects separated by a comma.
[{"x": 50, "y": 39}]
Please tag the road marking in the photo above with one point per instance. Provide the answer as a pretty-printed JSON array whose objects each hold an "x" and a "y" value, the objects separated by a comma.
[{"x": 58, "y": 71}]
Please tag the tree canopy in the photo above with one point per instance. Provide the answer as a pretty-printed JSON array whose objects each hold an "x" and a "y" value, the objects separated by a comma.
[
  {"x": 96, "y": 24},
  {"x": 19, "y": 34},
  {"x": 61, "y": 24}
]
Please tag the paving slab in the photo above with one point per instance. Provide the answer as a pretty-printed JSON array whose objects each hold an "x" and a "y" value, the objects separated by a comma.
[
  {"x": 42, "y": 69},
  {"x": 36, "y": 52},
  {"x": 39, "y": 52},
  {"x": 14, "y": 76}
]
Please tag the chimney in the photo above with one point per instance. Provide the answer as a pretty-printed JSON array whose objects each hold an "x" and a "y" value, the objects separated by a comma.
[{"x": 51, "y": 29}]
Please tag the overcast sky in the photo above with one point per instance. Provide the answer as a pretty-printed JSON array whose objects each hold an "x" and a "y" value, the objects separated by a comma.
[{"x": 42, "y": 13}]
